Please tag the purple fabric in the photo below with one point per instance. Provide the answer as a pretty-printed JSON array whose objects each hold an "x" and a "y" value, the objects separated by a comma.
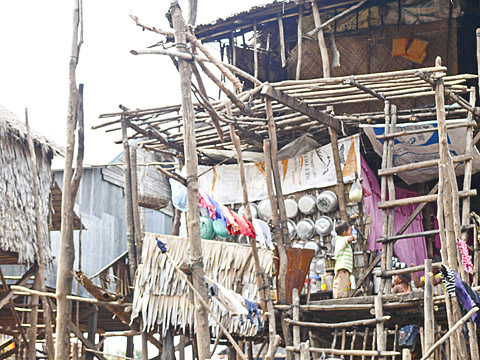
[
  {"x": 407, "y": 250},
  {"x": 463, "y": 298}
]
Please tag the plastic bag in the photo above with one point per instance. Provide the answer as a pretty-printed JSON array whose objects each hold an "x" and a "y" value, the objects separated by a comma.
[
  {"x": 179, "y": 195},
  {"x": 356, "y": 192}
]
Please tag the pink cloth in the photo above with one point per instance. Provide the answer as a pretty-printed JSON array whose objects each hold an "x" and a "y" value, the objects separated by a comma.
[
  {"x": 407, "y": 250},
  {"x": 205, "y": 203},
  {"x": 466, "y": 259}
]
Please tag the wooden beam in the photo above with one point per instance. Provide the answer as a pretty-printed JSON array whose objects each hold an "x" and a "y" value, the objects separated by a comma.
[
  {"x": 89, "y": 344},
  {"x": 419, "y": 199},
  {"x": 22, "y": 281},
  {"x": 338, "y": 325},
  {"x": 301, "y": 107}
]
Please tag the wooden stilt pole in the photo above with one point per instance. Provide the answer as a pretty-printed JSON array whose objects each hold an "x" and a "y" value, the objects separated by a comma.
[
  {"x": 296, "y": 317},
  {"x": 71, "y": 182},
  {"x": 263, "y": 288},
  {"x": 255, "y": 50},
  {"x": 191, "y": 163},
  {"x": 299, "y": 42},
  {"x": 381, "y": 341},
  {"x": 429, "y": 326}
]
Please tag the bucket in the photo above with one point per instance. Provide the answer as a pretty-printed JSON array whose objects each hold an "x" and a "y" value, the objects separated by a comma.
[{"x": 376, "y": 280}]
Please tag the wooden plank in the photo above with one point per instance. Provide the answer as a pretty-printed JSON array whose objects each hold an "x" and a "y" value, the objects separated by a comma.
[
  {"x": 301, "y": 107},
  {"x": 88, "y": 344},
  {"x": 419, "y": 199},
  {"x": 420, "y": 165}
]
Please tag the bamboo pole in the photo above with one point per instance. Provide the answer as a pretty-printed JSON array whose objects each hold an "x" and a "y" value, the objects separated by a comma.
[
  {"x": 373, "y": 353},
  {"x": 429, "y": 326},
  {"x": 255, "y": 49},
  {"x": 297, "y": 323},
  {"x": 299, "y": 42},
  {"x": 205, "y": 305},
  {"x": 296, "y": 318},
  {"x": 281, "y": 35},
  {"x": 449, "y": 333},
  {"x": 336, "y": 17},
  {"x": 129, "y": 219},
  {"x": 381, "y": 340},
  {"x": 191, "y": 163},
  {"x": 70, "y": 186},
  {"x": 263, "y": 288}
]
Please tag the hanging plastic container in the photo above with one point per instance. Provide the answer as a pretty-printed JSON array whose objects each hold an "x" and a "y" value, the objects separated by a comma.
[
  {"x": 220, "y": 230},
  {"x": 356, "y": 192},
  {"x": 306, "y": 204}
]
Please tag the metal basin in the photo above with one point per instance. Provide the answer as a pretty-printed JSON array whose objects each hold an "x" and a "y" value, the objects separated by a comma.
[{"x": 327, "y": 201}]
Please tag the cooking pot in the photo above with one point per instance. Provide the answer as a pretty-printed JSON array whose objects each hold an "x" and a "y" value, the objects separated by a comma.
[
  {"x": 306, "y": 204},
  {"x": 253, "y": 210},
  {"x": 323, "y": 225},
  {"x": 264, "y": 210},
  {"x": 311, "y": 245},
  {"x": 291, "y": 208},
  {"x": 291, "y": 229},
  {"x": 242, "y": 239},
  {"x": 327, "y": 201},
  {"x": 305, "y": 229}
]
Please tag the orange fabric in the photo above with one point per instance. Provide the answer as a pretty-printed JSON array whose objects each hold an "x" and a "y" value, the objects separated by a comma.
[{"x": 232, "y": 227}]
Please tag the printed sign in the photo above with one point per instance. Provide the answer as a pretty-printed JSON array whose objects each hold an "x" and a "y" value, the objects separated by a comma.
[{"x": 312, "y": 170}]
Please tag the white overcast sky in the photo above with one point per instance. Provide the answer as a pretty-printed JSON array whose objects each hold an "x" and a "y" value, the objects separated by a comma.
[{"x": 35, "y": 43}]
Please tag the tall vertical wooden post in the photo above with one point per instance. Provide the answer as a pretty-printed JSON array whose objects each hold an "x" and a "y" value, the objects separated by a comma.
[
  {"x": 381, "y": 340},
  {"x": 342, "y": 204},
  {"x": 299, "y": 42},
  {"x": 127, "y": 176},
  {"x": 71, "y": 182},
  {"x": 429, "y": 326},
  {"x": 296, "y": 317},
  {"x": 191, "y": 163}
]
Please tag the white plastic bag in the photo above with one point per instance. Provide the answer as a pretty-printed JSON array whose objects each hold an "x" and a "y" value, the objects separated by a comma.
[
  {"x": 356, "y": 192},
  {"x": 179, "y": 195}
]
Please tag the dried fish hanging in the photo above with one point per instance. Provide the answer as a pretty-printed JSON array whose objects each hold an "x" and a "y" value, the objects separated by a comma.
[{"x": 336, "y": 53}]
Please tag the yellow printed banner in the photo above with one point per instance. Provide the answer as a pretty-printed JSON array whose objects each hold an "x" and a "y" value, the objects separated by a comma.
[{"x": 312, "y": 170}]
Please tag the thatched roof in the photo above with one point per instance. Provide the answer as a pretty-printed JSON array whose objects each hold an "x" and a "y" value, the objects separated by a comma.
[
  {"x": 17, "y": 228},
  {"x": 162, "y": 297}
]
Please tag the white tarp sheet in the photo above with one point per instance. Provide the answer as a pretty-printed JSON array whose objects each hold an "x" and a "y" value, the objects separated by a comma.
[
  {"x": 314, "y": 169},
  {"x": 421, "y": 147}
]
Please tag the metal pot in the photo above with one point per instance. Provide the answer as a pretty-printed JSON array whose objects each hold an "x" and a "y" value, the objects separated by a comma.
[
  {"x": 311, "y": 245},
  {"x": 307, "y": 204},
  {"x": 291, "y": 208},
  {"x": 323, "y": 225},
  {"x": 253, "y": 210},
  {"x": 327, "y": 201},
  {"x": 291, "y": 229},
  {"x": 242, "y": 239},
  {"x": 305, "y": 229},
  {"x": 264, "y": 210}
]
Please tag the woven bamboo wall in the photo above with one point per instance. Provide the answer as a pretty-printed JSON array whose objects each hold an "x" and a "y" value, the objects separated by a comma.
[{"x": 371, "y": 53}]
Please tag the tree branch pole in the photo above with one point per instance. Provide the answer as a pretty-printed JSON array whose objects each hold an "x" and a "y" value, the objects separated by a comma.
[
  {"x": 299, "y": 42},
  {"x": 191, "y": 163},
  {"x": 127, "y": 176},
  {"x": 333, "y": 135},
  {"x": 66, "y": 251},
  {"x": 40, "y": 276},
  {"x": 449, "y": 333},
  {"x": 262, "y": 281}
]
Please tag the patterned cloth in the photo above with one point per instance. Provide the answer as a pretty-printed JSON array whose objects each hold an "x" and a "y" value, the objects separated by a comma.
[
  {"x": 448, "y": 279},
  {"x": 466, "y": 259}
]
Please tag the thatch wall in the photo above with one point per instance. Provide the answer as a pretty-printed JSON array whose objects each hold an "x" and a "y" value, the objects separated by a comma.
[
  {"x": 163, "y": 299},
  {"x": 17, "y": 214}
]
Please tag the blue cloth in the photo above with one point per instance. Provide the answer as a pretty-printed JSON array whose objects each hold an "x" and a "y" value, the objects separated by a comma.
[
  {"x": 462, "y": 295},
  {"x": 253, "y": 310},
  {"x": 219, "y": 212},
  {"x": 161, "y": 246}
]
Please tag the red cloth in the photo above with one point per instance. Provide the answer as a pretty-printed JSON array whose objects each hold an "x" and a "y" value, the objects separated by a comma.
[
  {"x": 233, "y": 227},
  {"x": 246, "y": 227},
  {"x": 466, "y": 259},
  {"x": 205, "y": 203}
]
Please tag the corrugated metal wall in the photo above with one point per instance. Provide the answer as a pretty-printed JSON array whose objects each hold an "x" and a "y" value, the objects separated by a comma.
[{"x": 101, "y": 207}]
